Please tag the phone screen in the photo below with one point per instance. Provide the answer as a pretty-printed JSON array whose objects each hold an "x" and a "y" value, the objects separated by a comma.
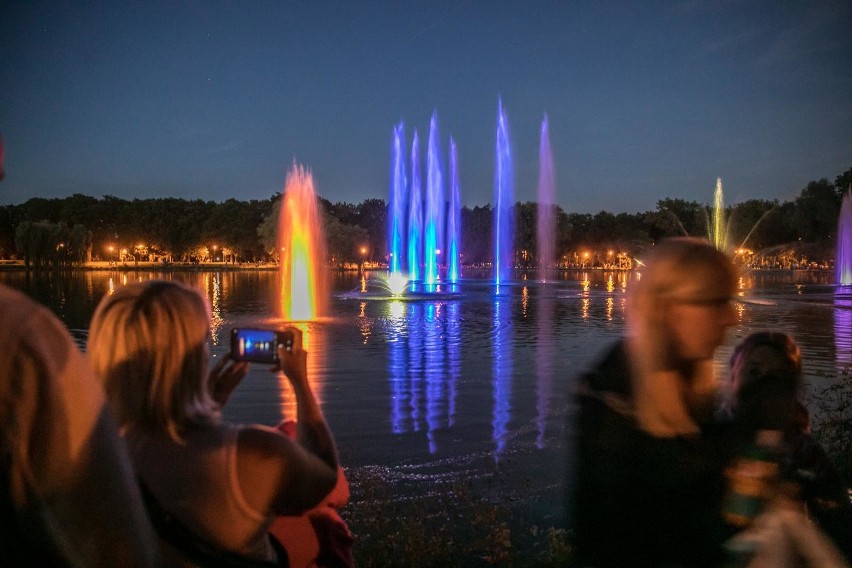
[{"x": 254, "y": 345}]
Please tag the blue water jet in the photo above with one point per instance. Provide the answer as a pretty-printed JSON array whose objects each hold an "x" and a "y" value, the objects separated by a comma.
[
  {"x": 454, "y": 219},
  {"x": 504, "y": 197},
  {"x": 415, "y": 214},
  {"x": 397, "y": 211},
  {"x": 434, "y": 215}
]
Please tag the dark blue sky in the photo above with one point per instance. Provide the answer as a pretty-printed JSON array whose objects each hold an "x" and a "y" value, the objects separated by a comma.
[{"x": 213, "y": 100}]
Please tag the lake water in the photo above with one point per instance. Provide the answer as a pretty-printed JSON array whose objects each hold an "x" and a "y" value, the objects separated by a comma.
[{"x": 465, "y": 388}]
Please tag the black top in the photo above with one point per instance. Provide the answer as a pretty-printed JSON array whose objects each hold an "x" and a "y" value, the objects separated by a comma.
[{"x": 640, "y": 500}]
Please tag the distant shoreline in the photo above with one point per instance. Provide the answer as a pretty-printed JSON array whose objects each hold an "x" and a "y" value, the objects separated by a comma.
[
  {"x": 131, "y": 266},
  {"x": 18, "y": 265}
]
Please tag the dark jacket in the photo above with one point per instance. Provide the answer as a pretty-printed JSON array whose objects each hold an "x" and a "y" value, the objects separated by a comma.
[{"x": 639, "y": 500}]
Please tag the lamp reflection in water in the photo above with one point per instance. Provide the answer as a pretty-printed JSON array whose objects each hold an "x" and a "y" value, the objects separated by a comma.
[{"x": 212, "y": 285}]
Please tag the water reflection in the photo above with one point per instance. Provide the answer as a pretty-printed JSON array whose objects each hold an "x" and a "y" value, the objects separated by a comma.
[
  {"x": 423, "y": 366},
  {"x": 843, "y": 328},
  {"x": 425, "y": 347},
  {"x": 502, "y": 372},
  {"x": 397, "y": 364},
  {"x": 313, "y": 342},
  {"x": 453, "y": 342},
  {"x": 434, "y": 371},
  {"x": 415, "y": 364},
  {"x": 365, "y": 324},
  {"x": 212, "y": 287},
  {"x": 544, "y": 365}
]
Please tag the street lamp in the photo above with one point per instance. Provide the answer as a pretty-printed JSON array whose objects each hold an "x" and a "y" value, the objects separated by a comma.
[{"x": 363, "y": 251}]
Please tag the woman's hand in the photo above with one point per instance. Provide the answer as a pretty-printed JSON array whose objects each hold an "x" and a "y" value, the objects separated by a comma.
[
  {"x": 292, "y": 360},
  {"x": 224, "y": 378}
]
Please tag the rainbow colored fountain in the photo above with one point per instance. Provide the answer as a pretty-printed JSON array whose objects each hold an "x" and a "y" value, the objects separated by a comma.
[{"x": 301, "y": 245}]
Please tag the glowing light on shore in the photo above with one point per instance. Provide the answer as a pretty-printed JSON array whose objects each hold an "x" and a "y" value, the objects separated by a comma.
[{"x": 301, "y": 240}]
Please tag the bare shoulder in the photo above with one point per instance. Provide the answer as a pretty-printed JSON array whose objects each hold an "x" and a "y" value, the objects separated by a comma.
[
  {"x": 263, "y": 444},
  {"x": 277, "y": 473}
]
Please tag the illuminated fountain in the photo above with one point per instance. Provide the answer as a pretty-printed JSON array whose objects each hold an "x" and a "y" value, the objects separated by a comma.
[
  {"x": 843, "y": 259},
  {"x": 415, "y": 215},
  {"x": 425, "y": 230},
  {"x": 301, "y": 244},
  {"x": 843, "y": 294},
  {"x": 546, "y": 226},
  {"x": 396, "y": 207},
  {"x": 504, "y": 201},
  {"x": 434, "y": 214},
  {"x": 454, "y": 219},
  {"x": 717, "y": 230}
]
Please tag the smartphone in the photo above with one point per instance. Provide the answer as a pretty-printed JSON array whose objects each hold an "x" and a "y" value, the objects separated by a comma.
[{"x": 258, "y": 345}]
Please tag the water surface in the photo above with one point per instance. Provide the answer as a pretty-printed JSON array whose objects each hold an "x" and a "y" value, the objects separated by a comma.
[{"x": 466, "y": 387}]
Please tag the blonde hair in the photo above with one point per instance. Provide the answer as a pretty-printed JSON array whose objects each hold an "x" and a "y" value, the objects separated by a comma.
[
  {"x": 148, "y": 346},
  {"x": 680, "y": 269}
]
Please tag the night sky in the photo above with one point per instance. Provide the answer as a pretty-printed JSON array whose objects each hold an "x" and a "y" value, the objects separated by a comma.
[{"x": 214, "y": 100}]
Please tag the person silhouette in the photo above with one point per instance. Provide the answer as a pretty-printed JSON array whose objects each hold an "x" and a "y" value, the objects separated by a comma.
[
  {"x": 648, "y": 481},
  {"x": 68, "y": 496}
]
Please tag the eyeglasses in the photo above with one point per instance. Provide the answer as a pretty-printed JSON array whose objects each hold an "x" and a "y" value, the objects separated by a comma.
[{"x": 705, "y": 302}]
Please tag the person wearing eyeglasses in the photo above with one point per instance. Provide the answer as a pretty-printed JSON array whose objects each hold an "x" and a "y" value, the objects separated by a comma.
[{"x": 648, "y": 481}]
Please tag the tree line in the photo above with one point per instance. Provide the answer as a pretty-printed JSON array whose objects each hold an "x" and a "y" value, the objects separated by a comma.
[{"x": 81, "y": 228}]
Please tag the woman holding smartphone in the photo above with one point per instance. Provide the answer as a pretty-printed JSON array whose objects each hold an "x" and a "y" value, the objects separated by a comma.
[{"x": 224, "y": 483}]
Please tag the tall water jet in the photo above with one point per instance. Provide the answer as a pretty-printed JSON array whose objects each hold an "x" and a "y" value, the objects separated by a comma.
[
  {"x": 301, "y": 243},
  {"x": 546, "y": 228},
  {"x": 415, "y": 214},
  {"x": 717, "y": 229},
  {"x": 454, "y": 218},
  {"x": 843, "y": 259},
  {"x": 396, "y": 208},
  {"x": 503, "y": 201},
  {"x": 434, "y": 214}
]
